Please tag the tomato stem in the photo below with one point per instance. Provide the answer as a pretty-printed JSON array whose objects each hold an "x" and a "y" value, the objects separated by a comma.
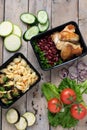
[{"x": 75, "y": 102}]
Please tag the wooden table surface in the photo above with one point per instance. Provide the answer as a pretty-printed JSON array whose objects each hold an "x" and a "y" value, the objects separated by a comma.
[{"x": 59, "y": 11}]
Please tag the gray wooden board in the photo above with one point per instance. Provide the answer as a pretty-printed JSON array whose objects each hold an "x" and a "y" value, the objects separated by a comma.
[
  {"x": 59, "y": 11},
  {"x": 39, "y": 102},
  {"x": 13, "y": 9},
  {"x": 1, "y": 45}
]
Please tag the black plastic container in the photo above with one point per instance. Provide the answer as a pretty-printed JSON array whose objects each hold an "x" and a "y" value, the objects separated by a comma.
[
  {"x": 4, "y": 65},
  {"x": 60, "y": 28}
]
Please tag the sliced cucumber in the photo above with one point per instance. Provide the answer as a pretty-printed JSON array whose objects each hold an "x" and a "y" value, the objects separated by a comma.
[
  {"x": 42, "y": 16},
  {"x": 43, "y": 27},
  {"x": 6, "y": 28},
  {"x": 12, "y": 116},
  {"x": 22, "y": 124},
  {"x": 28, "y": 18},
  {"x": 17, "y": 30},
  {"x": 30, "y": 117},
  {"x": 12, "y": 42},
  {"x": 34, "y": 30}
]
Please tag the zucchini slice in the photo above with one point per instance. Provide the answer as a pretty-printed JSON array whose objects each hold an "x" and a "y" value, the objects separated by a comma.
[
  {"x": 28, "y": 18},
  {"x": 16, "y": 30},
  {"x": 12, "y": 116},
  {"x": 12, "y": 43},
  {"x": 34, "y": 30},
  {"x": 6, "y": 28},
  {"x": 43, "y": 27},
  {"x": 42, "y": 16},
  {"x": 22, "y": 124},
  {"x": 30, "y": 117}
]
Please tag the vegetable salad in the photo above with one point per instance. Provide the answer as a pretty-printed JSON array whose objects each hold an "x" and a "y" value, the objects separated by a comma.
[{"x": 65, "y": 100}]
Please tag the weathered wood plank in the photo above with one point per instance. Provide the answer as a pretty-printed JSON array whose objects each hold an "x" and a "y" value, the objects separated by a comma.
[
  {"x": 1, "y": 44},
  {"x": 38, "y": 102},
  {"x": 13, "y": 9},
  {"x": 1, "y": 19},
  {"x": 83, "y": 25},
  {"x": 62, "y": 12},
  {"x": 66, "y": 15}
]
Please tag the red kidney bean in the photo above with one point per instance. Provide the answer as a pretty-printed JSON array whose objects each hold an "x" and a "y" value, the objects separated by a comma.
[{"x": 46, "y": 45}]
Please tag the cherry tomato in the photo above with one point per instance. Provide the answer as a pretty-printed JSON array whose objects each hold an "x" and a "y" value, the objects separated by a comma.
[
  {"x": 54, "y": 105},
  {"x": 68, "y": 96},
  {"x": 78, "y": 111}
]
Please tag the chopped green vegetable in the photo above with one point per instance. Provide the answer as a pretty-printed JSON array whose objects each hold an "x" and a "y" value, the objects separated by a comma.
[
  {"x": 6, "y": 101},
  {"x": 15, "y": 92},
  {"x": 5, "y": 95},
  {"x": 2, "y": 89},
  {"x": 5, "y": 79},
  {"x": 42, "y": 57}
]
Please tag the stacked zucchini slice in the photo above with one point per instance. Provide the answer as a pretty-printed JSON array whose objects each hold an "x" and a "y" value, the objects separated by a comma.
[
  {"x": 20, "y": 122},
  {"x": 12, "y": 35}
]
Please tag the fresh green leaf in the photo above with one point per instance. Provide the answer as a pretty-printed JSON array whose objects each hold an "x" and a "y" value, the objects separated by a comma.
[
  {"x": 50, "y": 91},
  {"x": 83, "y": 87},
  {"x": 61, "y": 119}
]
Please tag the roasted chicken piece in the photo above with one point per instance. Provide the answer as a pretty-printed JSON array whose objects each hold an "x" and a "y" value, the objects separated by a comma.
[
  {"x": 60, "y": 44},
  {"x": 69, "y": 28},
  {"x": 67, "y": 41},
  {"x": 68, "y": 36},
  {"x": 69, "y": 50},
  {"x": 65, "y": 36},
  {"x": 66, "y": 52}
]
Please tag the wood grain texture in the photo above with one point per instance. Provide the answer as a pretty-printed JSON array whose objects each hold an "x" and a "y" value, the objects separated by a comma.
[
  {"x": 1, "y": 46},
  {"x": 62, "y": 11},
  {"x": 1, "y": 19},
  {"x": 59, "y": 11},
  {"x": 13, "y": 9},
  {"x": 38, "y": 104},
  {"x": 83, "y": 28}
]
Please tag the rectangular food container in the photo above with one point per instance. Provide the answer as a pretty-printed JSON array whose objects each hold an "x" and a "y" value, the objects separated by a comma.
[
  {"x": 16, "y": 55},
  {"x": 49, "y": 32}
]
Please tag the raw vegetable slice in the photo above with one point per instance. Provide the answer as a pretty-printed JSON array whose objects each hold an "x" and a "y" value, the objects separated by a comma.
[
  {"x": 30, "y": 33},
  {"x": 63, "y": 73},
  {"x": 17, "y": 31},
  {"x": 12, "y": 116},
  {"x": 22, "y": 124},
  {"x": 28, "y": 18},
  {"x": 42, "y": 16},
  {"x": 43, "y": 27},
  {"x": 73, "y": 71},
  {"x": 6, "y": 28},
  {"x": 30, "y": 117},
  {"x": 12, "y": 42}
]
